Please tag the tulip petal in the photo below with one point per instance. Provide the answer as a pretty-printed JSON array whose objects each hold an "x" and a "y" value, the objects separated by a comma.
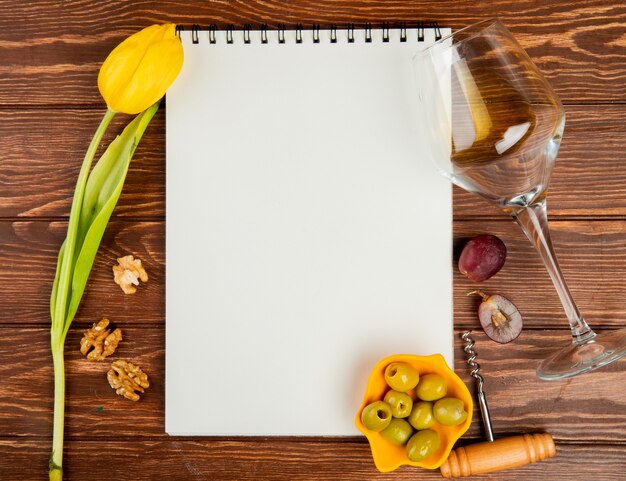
[
  {"x": 119, "y": 66},
  {"x": 140, "y": 69},
  {"x": 158, "y": 69}
]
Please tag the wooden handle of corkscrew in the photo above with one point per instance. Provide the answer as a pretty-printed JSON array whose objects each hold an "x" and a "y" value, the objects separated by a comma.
[{"x": 489, "y": 457}]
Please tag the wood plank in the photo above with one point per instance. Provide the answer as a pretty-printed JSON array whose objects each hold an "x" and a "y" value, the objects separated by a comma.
[
  {"x": 592, "y": 254},
  {"x": 29, "y": 250},
  {"x": 518, "y": 401},
  {"x": 42, "y": 154},
  {"x": 54, "y": 55},
  {"x": 93, "y": 409},
  {"x": 43, "y": 151},
  {"x": 50, "y": 53},
  {"x": 298, "y": 460}
]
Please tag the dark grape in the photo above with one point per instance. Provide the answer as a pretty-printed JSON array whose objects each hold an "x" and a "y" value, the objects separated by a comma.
[{"x": 482, "y": 257}]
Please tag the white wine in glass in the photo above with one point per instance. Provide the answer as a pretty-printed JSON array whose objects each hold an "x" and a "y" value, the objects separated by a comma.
[{"x": 493, "y": 125}]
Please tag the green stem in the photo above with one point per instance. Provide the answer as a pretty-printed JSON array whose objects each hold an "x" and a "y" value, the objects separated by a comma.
[
  {"x": 59, "y": 321},
  {"x": 70, "y": 242},
  {"x": 56, "y": 459}
]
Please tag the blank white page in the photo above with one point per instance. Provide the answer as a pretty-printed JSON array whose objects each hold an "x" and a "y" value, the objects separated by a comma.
[{"x": 308, "y": 236}]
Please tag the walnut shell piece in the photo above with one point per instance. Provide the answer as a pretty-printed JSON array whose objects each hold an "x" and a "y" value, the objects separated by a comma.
[
  {"x": 128, "y": 272},
  {"x": 126, "y": 378},
  {"x": 99, "y": 342}
]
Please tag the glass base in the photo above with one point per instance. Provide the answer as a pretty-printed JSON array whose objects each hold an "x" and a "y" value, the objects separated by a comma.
[{"x": 581, "y": 356}]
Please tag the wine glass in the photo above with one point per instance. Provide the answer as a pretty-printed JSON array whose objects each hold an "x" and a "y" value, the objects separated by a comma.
[{"x": 493, "y": 125}]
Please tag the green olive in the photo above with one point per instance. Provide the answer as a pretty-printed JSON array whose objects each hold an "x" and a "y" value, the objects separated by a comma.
[
  {"x": 421, "y": 416},
  {"x": 376, "y": 416},
  {"x": 400, "y": 403},
  {"x": 398, "y": 432},
  {"x": 449, "y": 411},
  {"x": 422, "y": 444},
  {"x": 401, "y": 377},
  {"x": 431, "y": 387}
]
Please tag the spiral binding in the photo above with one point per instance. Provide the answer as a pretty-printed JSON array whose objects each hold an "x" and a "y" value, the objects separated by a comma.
[
  {"x": 333, "y": 33},
  {"x": 281, "y": 30},
  {"x": 281, "y": 34},
  {"x": 299, "y": 33},
  {"x": 435, "y": 26},
  {"x": 229, "y": 34},
  {"x": 212, "y": 30},
  {"x": 316, "y": 33}
]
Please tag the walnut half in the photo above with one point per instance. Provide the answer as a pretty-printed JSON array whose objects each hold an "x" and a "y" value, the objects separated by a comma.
[
  {"x": 128, "y": 273},
  {"x": 126, "y": 378},
  {"x": 99, "y": 342}
]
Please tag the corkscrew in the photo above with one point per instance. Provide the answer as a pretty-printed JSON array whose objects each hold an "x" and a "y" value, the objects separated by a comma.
[
  {"x": 492, "y": 456},
  {"x": 475, "y": 373}
]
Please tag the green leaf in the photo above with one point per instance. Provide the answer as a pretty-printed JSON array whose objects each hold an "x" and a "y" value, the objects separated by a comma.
[
  {"x": 106, "y": 175},
  {"x": 66, "y": 266},
  {"x": 102, "y": 192}
]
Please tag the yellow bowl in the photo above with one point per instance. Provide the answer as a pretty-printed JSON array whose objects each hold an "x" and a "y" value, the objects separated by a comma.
[{"x": 387, "y": 456}]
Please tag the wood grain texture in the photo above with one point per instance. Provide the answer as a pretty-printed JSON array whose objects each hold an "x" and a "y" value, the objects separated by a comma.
[
  {"x": 592, "y": 254},
  {"x": 43, "y": 149},
  {"x": 519, "y": 402},
  {"x": 177, "y": 459},
  {"x": 50, "y": 52},
  {"x": 29, "y": 250}
]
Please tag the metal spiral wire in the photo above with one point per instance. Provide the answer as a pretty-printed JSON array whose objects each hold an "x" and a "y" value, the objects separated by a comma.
[
  {"x": 471, "y": 360},
  {"x": 475, "y": 373},
  {"x": 232, "y": 32}
]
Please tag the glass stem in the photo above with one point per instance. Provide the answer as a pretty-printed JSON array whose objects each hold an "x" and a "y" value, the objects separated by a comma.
[{"x": 533, "y": 219}]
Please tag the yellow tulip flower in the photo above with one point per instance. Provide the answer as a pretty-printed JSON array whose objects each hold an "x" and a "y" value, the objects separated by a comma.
[
  {"x": 140, "y": 69},
  {"x": 132, "y": 79}
]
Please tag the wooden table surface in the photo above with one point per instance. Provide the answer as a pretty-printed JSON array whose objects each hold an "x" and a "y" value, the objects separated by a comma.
[{"x": 50, "y": 54}]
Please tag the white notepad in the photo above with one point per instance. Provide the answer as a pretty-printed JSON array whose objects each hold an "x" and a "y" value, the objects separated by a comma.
[{"x": 308, "y": 236}]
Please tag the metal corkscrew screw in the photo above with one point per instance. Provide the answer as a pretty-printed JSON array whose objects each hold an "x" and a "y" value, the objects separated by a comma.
[
  {"x": 475, "y": 373},
  {"x": 492, "y": 456}
]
